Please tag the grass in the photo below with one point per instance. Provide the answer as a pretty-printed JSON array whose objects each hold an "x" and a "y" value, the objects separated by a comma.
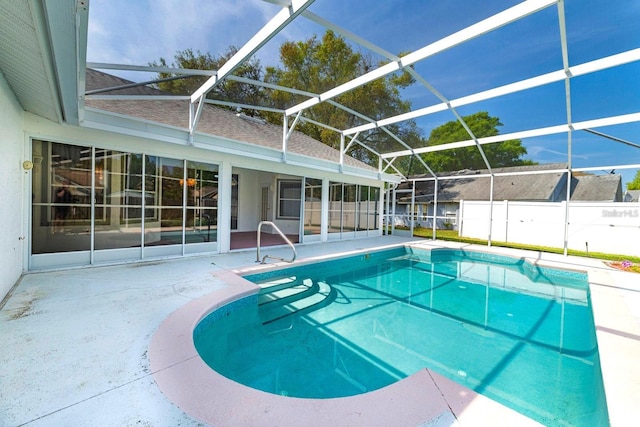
[{"x": 617, "y": 261}]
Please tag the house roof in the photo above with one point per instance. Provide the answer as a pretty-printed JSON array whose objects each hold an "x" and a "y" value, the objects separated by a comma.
[
  {"x": 597, "y": 188},
  {"x": 632, "y": 196},
  {"x": 538, "y": 186},
  {"x": 214, "y": 120},
  {"x": 534, "y": 187},
  {"x": 43, "y": 58}
]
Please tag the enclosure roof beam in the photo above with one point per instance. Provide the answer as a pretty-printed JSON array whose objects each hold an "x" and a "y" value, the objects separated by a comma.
[
  {"x": 460, "y": 120},
  {"x": 139, "y": 97},
  {"x": 317, "y": 123},
  {"x": 374, "y": 48},
  {"x": 150, "y": 69},
  {"x": 485, "y": 26},
  {"x": 551, "y": 130},
  {"x": 613, "y": 138},
  {"x": 244, "y": 106},
  {"x": 390, "y": 165},
  {"x": 266, "y": 33},
  {"x": 339, "y": 30},
  {"x": 552, "y": 77}
]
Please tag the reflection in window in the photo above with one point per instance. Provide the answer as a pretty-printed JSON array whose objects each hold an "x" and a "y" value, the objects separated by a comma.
[
  {"x": 335, "y": 207},
  {"x": 352, "y": 207},
  {"x": 234, "y": 201},
  {"x": 363, "y": 208},
  {"x": 373, "y": 205},
  {"x": 202, "y": 202},
  {"x": 349, "y": 208},
  {"x": 289, "y": 199},
  {"x": 79, "y": 190},
  {"x": 312, "y": 206},
  {"x": 61, "y": 187},
  {"x": 118, "y": 208},
  {"x": 164, "y": 182}
]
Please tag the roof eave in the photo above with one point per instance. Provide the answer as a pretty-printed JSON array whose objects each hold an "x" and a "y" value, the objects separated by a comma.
[
  {"x": 128, "y": 125},
  {"x": 66, "y": 30}
]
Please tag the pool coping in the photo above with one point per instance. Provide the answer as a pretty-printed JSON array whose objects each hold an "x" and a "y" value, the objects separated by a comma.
[{"x": 424, "y": 398}]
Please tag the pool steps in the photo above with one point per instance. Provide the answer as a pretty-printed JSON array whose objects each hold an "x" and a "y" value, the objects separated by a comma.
[
  {"x": 290, "y": 289},
  {"x": 283, "y": 301}
]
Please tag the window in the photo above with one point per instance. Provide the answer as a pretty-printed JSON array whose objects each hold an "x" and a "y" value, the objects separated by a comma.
[
  {"x": 90, "y": 198},
  {"x": 312, "y": 205},
  {"x": 289, "y": 195}
]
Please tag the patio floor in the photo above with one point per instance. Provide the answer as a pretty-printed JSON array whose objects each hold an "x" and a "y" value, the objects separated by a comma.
[{"x": 74, "y": 342}]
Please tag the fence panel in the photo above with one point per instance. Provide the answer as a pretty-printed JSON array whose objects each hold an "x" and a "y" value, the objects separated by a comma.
[{"x": 596, "y": 227}]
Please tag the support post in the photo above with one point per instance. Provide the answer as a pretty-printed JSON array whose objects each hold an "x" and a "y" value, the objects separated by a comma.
[
  {"x": 413, "y": 206},
  {"x": 341, "y": 152},
  {"x": 324, "y": 211},
  {"x": 435, "y": 209},
  {"x": 285, "y": 132},
  {"x": 490, "y": 211}
]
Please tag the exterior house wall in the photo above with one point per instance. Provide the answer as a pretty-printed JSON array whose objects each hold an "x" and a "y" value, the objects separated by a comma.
[
  {"x": 287, "y": 226},
  {"x": 255, "y": 171},
  {"x": 248, "y": 199},
  {"x": 597, "y": 227},
  {"x": 12, "y": 177}
]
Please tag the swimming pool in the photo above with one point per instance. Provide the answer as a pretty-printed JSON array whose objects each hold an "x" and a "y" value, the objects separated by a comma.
[{"x": 520, "y": 334}]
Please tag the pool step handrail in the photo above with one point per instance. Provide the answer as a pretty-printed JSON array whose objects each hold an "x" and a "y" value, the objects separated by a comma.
[{"x": 275, "y": 227}]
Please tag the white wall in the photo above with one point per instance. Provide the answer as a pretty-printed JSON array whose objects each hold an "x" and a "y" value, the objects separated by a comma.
[
  {"x": 13, "y": 179},
  {"x": 249, "y": 198},
  {"x": 136, "y": 139},
  {"x": 612, "y": 228},
  {"x": 250, "y": 201}
]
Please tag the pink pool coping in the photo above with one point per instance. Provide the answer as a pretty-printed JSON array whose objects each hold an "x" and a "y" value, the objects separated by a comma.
[{"x": 424, "y": 398}]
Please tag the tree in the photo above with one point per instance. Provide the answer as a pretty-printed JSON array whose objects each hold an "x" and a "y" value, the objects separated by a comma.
[
  {"x": 319, "y": 65},
  {"x": 635, "y": 183},
  {"x": 502, "y": 154},
  {"x": 227, "y": 90}
]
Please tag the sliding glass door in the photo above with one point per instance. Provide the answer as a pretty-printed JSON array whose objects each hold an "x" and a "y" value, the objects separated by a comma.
[{"x": 93, "y": 205}]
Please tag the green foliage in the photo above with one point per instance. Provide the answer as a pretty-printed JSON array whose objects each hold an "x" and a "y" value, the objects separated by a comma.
[
  {"x": 227, "y": 90},
  {"x": 481, "y": 124},
  {"x": 316, "y": 66},
  {"x": 635, "y": 183},
  {"x": 452, "y": 235}
]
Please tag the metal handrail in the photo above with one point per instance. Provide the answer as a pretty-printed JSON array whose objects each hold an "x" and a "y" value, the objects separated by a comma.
[{"x": 275, "y": 227}]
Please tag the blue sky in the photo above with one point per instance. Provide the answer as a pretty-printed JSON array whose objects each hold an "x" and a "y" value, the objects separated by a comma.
[{"x": 141, "y": 32}]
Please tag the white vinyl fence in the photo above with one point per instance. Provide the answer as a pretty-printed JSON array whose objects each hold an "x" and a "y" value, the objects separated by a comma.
[{"x": 612, "y": 228}]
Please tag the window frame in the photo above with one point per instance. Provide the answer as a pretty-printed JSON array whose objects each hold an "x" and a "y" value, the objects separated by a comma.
[{"x": 281, "y": 199}]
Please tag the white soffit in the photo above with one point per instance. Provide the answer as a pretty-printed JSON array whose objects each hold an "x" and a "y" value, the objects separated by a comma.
[
  {"x": 42, "y": 49},
  {"x": 24, "y": 57}
]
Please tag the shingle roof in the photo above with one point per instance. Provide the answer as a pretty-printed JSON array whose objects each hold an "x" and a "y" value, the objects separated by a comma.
[
  {"x": 598, "y": 188},
  {"x": 214, "y": 121},
  {"x": 632, "y": 196},
  {"x": 543, "y": 187},
  {"x": 535, "y": 187}
]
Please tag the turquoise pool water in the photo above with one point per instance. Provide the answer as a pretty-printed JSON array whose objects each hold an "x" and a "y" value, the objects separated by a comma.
[{"x": 520, "y": 334}]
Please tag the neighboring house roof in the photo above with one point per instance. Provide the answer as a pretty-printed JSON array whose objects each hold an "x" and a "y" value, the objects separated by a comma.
[
  {"x": 534, "y": 187},
  {"x": 213, "y": 120},
  {"x": 538, "y": 187},
  {"x": 597, "y": 188},
  {"x": 632, "y": 196}
]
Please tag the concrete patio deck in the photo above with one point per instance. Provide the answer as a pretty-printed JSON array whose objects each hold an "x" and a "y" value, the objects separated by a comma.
[{"x": 74, "y": 342}]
